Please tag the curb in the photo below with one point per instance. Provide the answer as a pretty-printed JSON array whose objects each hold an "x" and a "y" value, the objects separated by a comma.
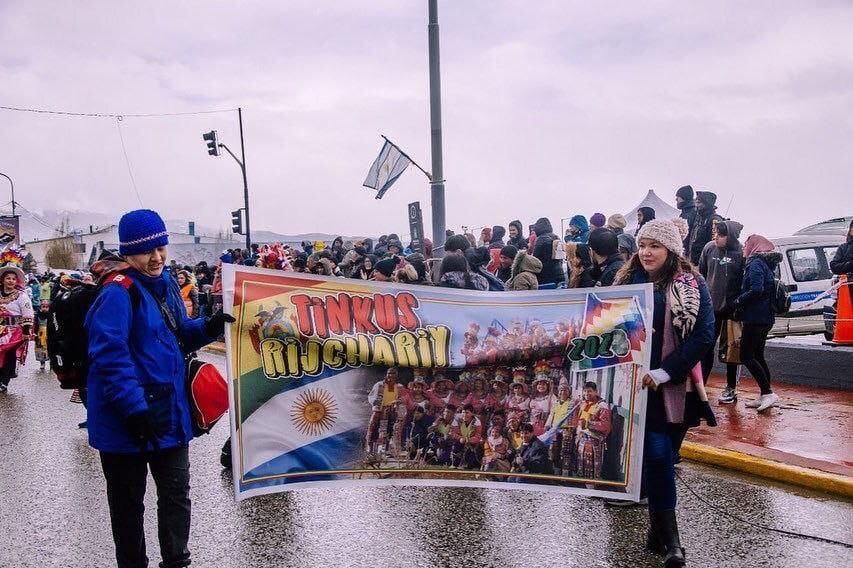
[{"x": 794, "y": 475}]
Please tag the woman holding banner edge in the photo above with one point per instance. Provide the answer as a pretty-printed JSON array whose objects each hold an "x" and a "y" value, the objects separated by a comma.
[{"x": 683, "y": 324}]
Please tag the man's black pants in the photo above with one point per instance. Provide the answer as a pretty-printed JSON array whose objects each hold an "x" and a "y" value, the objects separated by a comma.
[
  {"x": 708, "y": 360},
  {"x": 126, "y": 476}
]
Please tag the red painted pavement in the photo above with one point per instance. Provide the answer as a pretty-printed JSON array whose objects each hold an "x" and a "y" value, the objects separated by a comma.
[{"x": 811, "y": 427}]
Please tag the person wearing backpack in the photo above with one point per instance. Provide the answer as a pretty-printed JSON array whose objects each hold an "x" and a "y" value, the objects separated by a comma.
[
  {"x": 139, "y": 415},
  {"x": 754, "y": 308}
]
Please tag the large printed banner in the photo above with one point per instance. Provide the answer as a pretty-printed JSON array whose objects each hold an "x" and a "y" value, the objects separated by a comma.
[{"x": 347, "y": 382}]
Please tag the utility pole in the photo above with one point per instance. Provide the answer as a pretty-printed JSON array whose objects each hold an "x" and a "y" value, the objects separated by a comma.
[
  {"x": 245, "y": 183},
  {"x": 437, "y": 183}
]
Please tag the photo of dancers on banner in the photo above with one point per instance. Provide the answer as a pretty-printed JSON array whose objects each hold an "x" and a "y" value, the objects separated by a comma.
[{"x": 342, "y": 382}]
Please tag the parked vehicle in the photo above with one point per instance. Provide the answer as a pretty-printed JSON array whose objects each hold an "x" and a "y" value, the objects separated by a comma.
[
  {"x": 805, "y": 271},
  {"x": 830, "y": 312},
  {"x": 837, "y": 226}
]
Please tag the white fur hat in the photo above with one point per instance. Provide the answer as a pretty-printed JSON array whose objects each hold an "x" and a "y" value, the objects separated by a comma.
[{"x": 666, "y": 232}]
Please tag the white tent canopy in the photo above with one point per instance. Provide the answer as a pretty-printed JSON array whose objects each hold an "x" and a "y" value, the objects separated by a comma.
[{"x": 663, "y": 210}]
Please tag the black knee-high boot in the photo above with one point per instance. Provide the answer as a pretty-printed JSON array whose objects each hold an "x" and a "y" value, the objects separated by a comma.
[
  {"x": 667, "y": 527},
  {"x": 653, "y": 541}
]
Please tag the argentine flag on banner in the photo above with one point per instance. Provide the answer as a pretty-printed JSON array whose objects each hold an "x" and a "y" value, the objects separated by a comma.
[
  {"x": 388, "y": 166},
  {"x": 294, "y": 430}
]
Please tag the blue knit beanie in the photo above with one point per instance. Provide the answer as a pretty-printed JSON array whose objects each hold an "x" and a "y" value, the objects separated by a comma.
[{"x": 141, "y": 231}]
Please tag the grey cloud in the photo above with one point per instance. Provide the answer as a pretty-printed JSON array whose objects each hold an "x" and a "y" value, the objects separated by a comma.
[{"x": 550, "y": 108}]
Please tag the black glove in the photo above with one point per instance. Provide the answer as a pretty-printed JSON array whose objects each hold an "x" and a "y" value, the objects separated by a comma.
[
  {"x": 142, "y": 429},
  {"x": 215, "y": 324}
]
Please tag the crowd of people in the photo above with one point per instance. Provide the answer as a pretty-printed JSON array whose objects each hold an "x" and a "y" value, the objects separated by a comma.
[
  {"x": 489, "y": 420},
  {"x": 701, "y": 274},
  {"x": 591, "y": 253}
]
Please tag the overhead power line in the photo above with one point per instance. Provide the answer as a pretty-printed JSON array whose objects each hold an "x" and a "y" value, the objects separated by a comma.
[
  {"x": 127, "y": 161},
  {"x": 39, "y": 219},
  {"x": 113, "y": 115}
]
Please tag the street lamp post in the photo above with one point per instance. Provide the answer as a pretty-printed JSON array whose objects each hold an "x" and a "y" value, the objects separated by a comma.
[
  {"x": 437, "y": 183},
  {"x": 13, "y": 191}
]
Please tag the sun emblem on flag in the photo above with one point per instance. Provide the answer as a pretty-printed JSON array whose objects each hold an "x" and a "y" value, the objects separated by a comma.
[{"x": 314, "y": 412}]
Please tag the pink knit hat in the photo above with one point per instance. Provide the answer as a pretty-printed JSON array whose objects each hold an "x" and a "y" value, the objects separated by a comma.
[{"x": 757, "y": 243}]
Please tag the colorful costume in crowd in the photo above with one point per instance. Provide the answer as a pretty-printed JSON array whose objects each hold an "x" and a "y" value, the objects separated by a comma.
[
  {"x": 542, "y": 400},
  {"x": 592, "y": 430},
  {"x": 16, "y": 318},
  {"x": 563, "y": 415},
  {"x": 440, "y": 442},
  {"x": 439, "y": 394},
  {"x": 386, "y": 421},
  {"x": 416, "y": 397},
  {"x": 467, "y": 442},
  {"x": 496, "y": 453},
  {"x": 458, "y": 395},
  {"x": 517, "y": 402},
  {"x": 41, "y": 334}
]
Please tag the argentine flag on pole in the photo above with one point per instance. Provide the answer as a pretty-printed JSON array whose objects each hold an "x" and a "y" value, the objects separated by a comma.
[{"x": 388, "y": 166}]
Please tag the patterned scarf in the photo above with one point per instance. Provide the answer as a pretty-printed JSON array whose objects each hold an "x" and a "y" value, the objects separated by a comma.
[{"x": 683, "y": 296}]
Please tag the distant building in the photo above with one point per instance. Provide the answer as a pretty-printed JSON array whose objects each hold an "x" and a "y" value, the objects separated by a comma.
[{"x": 185, "y": 248}]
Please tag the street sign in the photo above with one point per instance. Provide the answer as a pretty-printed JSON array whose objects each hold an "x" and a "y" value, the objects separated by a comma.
[{"x": 416, "y": 227}]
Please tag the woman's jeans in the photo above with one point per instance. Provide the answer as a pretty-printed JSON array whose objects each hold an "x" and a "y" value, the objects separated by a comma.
[{"x": 658, "y": 470}]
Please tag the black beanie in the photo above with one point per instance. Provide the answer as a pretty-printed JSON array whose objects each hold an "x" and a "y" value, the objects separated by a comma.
[
  {"x": 604, "y": 242},
  {"x": 509, "y": 251},
  {"x": 685, "y": 192},
  {"x": 386, "y": 266},
  {"x": 456, "y": 243}
]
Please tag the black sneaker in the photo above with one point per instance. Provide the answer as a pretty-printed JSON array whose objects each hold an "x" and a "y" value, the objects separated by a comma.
[
  {"x": 728, "y": 396},
  {"x": 3, "y": 388}
]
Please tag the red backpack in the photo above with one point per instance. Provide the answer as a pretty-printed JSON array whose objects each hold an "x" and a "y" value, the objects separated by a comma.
[{"x": 207, "y": 390}]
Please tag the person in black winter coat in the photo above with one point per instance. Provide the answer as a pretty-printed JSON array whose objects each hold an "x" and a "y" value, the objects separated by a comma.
[
  {"x": 516, "y": 235},
  {"x": 604, "y": 245},
  {"x": 497, "y": 240},
  {"x": 721, "y": 264},
  {"x": 703, "y": 226},
  {"x": 685, "y": 202},
  {"x": 842, "y": 262},
  {"x": 478, "y": 258},
  {"x": 533, "y": 455},
  {"x": 753, "y": 307},
  {"x": 543, "y": 249}
]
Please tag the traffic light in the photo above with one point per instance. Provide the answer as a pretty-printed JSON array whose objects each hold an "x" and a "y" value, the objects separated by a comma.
[
  {"x": 237, "y": 221},
  {"x": 212, "y": 142}
]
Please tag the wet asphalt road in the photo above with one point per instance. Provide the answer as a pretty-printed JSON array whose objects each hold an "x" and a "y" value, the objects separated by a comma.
[{"x": 53, "y": 512}]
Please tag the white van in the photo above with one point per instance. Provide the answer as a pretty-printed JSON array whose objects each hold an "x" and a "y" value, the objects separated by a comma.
[{"x": 805, "y": 270}]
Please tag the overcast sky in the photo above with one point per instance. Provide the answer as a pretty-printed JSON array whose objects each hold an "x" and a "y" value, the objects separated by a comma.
[{"x": 550, "y": 108}]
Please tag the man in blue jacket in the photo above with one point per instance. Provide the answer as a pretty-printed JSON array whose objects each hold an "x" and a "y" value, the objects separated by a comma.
[{"x": 138, "y": 412}]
